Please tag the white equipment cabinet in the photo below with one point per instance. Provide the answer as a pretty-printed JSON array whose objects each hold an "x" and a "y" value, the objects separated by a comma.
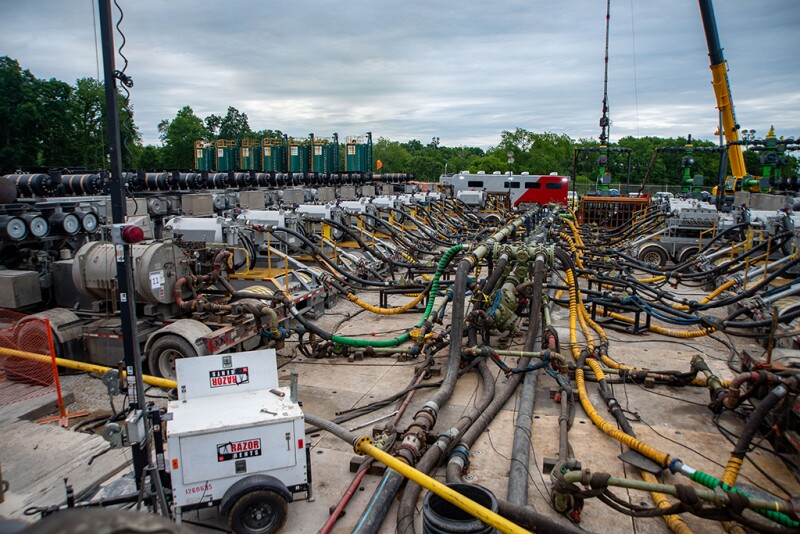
[{"x": 235, "y": 442}]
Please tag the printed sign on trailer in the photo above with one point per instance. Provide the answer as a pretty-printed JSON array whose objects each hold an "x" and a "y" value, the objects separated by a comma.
[
  {"x": 238, "y": 449},
  {"x": 229, "y": 377}
]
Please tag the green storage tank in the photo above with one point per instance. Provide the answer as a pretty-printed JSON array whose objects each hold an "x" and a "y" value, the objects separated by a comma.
[
  {"x": 358, "y": 153},
  {"x": 273, "y": 153},
  {"x": 203, "y": 156},
  {"x": 325, "y": 154},
  {"x": 227, "y": 155},
  {"x": 250, "y": 155},
  {"x": 298, "y": 155}
]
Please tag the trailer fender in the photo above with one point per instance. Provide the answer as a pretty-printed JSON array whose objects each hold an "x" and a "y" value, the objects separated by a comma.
[
  {"x": 189, "y": 329},
  {"x": 66, "y": 325},
  {"x": 251, "y": 483}
]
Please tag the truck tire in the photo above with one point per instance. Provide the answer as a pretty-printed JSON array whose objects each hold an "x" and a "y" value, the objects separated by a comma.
[
  {"x": 653, "y": 254},
  {"x": 258, "y": 512},
  {"x": 165, "y": 351}
]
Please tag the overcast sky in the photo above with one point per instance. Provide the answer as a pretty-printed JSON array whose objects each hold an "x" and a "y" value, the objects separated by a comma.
[{"x": 459, "y": 70}]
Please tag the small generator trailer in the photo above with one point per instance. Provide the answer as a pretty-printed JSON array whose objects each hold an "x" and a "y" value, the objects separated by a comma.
[{"x": 236, "y": 440}]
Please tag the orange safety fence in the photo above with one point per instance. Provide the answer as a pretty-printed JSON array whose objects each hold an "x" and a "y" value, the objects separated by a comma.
[{"x": 22, "y": 379}]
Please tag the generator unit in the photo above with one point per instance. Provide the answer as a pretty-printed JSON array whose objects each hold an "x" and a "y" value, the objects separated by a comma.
[{"x": 236, "y": 440}]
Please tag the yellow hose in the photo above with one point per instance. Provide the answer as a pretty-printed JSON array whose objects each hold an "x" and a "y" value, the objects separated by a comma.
[
  {"x": 657, "y": 456},
  {"x": 87, "y": 367},
  {"x": 386, "y": 311},
  {"x": 661, "y": 458},
  {"x": 578, "y": 240},
  {"x": 573, "y": 248},
  {"x": 674, "y": 522},
  {"x": 575, "y": 232},
  {"x": 652, "y": 280},
  {"x": 702, "y": 381},
  {"x": 364, "y": 446},
  {"x": 683, "y": 334},
  {"x": 732, "y": 470},
  {"x": 708, "y": 298},
  {"x": 578, "y": 310}
]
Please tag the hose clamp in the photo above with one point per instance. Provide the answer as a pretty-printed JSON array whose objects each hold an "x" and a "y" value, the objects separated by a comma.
[
  {"x": 460, "y": 454},
  {"x": 675, "y": 465}
]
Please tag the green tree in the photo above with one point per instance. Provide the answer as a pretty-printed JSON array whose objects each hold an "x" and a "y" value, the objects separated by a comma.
[
  {"x": 87, "y": 105},
  {"x": 392, "y": 154},
  {"x": 456, "y": 159},
  {"x": 537, "y": 153},
  {"x": 150, "y": 157},
  {"x": 268, "y": 134},
  {"x": 234, "y": 125},
  {"x": 58, "y": 145},
  {"x": 178, "y": 136},
  {"x": 18, "y": 116},
  {"x": 212, "y": 123},
  {"x": 489, "y": 163},
  {"x": 51, "y": 123}
]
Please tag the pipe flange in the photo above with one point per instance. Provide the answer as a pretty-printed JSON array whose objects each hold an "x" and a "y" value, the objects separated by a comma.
[
  {"x": 406, "y": 448},
  {"x": 359, "y": 444}
]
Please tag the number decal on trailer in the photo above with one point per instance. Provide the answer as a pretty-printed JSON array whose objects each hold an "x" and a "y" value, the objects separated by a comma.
[{"x": 198, "y": 489}]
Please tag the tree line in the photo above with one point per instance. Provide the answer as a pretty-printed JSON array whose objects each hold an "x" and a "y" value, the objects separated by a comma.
[
  {"x": 53, "y": 124},
  {"x": 50, "y": 123}
]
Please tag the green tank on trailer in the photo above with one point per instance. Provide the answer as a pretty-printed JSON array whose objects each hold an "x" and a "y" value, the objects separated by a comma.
[
  {"x": 325, "y": 154},
  {"x": 250, "y": 155},
  {"x": 227, "y": 155},
  {"x": 273, "y": 153},
  {"x": 203, "y": 156},
  {"x": 298, "y": 155},
  {"x": 358, "y": 153}
]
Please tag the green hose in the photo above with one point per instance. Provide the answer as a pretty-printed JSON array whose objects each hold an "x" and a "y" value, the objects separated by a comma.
[
  {"x": 354, "y": 342},
  {"x": 711, "y": 482}
]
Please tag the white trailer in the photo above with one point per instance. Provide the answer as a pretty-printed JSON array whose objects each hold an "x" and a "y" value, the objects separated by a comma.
[{"x": 236, "y": 440}]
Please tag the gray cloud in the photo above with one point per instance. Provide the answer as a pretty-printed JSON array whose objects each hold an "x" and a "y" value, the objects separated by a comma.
[{"x": 462, "y": 71}]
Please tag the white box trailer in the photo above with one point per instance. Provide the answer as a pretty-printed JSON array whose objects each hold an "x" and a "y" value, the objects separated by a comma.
[{"x": 236, "y": 440}]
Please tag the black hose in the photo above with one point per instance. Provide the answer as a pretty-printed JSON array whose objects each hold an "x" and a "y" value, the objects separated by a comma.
[
  {"x": 760, "y": 324},
  {"x": 521, "y": 447},
  {"x": 378, "y": 507},
  {"x": 397, "y": 237},
  {"x": 757, "y": 418},
  {"x": 320, "y": 256},
  {"x": 329, "y": 426},
  {"x": 407, "y": 508},
  {"x": 493, "y": 278},
  {"x": 527, "y": 517},
  {"x": 373, "y": 250}
]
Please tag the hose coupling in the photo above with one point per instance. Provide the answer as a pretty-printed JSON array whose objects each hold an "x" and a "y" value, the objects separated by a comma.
[
  {"x": 409, "y": 452},
  {"x": 430, "y": 407},
  {"x": 460, "y": 455}
]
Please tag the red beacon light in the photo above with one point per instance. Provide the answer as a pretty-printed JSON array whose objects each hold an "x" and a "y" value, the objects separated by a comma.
[{"x": 132, "y": 234}]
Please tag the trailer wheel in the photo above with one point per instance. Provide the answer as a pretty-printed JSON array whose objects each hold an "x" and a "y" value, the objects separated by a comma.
[
  {"x": 258, "y": 512},
  {"x": 165, "y": 351},
  {"x": 653, "y": 254},
  {"x": 687, "y": 253}
]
